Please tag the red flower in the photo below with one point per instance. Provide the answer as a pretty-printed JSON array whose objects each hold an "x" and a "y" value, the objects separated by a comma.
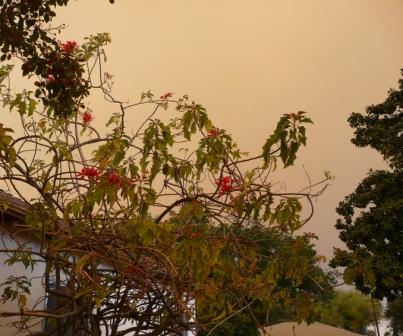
[
  {"x": 87, "y": 117},
  {"x": 114, "y": 179},
  {"x": 167, "y": 95},
  {"x": 225, "y": 185},
  {"x": 69, "y": 46},
  {"x": 50, "y": 79},
  {"x": 90, "y": 172},
  {"x": 213, "y": 133}
]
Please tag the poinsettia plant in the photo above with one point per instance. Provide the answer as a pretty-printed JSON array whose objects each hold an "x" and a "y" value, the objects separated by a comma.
[{"x": 137, "y": 237}]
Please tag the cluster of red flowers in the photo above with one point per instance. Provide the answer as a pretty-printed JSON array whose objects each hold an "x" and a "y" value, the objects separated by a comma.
[
  {"x": 214, "y": 132},
  {"x": 167, "y": 95},
  {"x": 69, "y": 46},
  {"x": 50, "y": 79},
  {"x": 114, "y": 179},
  {"x": 87, "y": 117},
  {"x": 225, "y": 185},
  {"x": 90, "y": 172}
]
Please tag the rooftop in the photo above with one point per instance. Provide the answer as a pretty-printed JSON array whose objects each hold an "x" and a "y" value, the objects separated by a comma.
[
  {"x": 15, "y": 206},
  {"x": 303, "y": 329}
]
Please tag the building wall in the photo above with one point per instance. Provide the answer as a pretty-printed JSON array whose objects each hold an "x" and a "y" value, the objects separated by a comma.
[{"x": 37, "y": 290}]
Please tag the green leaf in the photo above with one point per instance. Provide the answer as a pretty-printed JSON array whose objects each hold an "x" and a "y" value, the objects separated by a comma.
[
  {"x": 31, "y": 106},
  {"x": 11, "y": 156},
  {"x": 292, "y": 154},
  {"x": 81, "y": 262}
]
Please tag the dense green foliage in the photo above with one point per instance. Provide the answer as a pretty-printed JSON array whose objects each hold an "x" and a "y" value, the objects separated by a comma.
[
  {"x": 394, "y": 313},
  {"x": 381, "y": 128},
  {"x": 245, "y": 321},
  {"x": 371, "y": 217},
  {"x": 350, "y": 310}
]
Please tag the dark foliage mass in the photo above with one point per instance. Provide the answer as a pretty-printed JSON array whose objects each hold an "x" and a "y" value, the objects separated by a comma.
[
  {"x": 26, "y": 30},
  {"x": 394, "y": 313},
  {"x": 372, "y": 216}
]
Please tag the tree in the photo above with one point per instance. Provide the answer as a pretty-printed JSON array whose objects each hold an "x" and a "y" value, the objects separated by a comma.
[
  {"x": 138, "y": 225},
  {"x": 246, "y": 320},
  {"x": 371, "y": 217},
  {"x": 350, "y": 310},
  {"x": 394, "y": 313}
]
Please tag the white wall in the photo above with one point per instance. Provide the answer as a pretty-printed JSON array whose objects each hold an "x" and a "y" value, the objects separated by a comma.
[{"x": 37, "y": 290}]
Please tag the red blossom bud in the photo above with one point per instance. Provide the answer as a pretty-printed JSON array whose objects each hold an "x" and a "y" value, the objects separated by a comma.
[
  {"x": 87, "y": 117},
  {"x": 225, "y": 185},
  {"x": 90, "y": 172},
  {"x": 214, "y": 132},
  {"x": 69, "y": 46},
  {"x": 167, "y": 95},
  {"x": 114, "y": 179}
]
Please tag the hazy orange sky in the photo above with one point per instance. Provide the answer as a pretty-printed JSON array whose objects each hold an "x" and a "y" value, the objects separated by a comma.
[{"x": 249, "y": 62}]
